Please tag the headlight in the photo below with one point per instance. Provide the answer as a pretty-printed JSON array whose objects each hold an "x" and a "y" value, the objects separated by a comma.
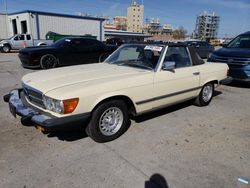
[
  {"x": 60, "y": 106},
  {"x": 1, "y": 44}
]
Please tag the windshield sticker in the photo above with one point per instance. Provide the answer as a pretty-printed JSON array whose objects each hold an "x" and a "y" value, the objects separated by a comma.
[{"x": 154, "y": 48}]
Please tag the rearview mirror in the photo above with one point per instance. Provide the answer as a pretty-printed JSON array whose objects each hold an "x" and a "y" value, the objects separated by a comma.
[{"x": 169, "y": 66}]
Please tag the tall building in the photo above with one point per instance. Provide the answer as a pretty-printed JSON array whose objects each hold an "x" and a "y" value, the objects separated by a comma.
[
  {"x": 207, "y": 25},
  {"x": 135, "y": 17}
]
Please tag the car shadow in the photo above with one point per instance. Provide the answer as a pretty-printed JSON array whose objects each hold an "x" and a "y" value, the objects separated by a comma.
[
  {"x": 238, "y": 84},
  {"x": 72, "y": 135},
  {"x": 69, "y": 136}
]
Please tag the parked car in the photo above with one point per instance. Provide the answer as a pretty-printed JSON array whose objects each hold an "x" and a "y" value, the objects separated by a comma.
[
  {"x": 20, "y": 41},
  {"x": 115, "y": 41},
  {"x": 66, "y": 51},
  {"x": 135, "y": 79},
  {"x": 237, "y": 55},
  {"x": 203, "y": 48}
]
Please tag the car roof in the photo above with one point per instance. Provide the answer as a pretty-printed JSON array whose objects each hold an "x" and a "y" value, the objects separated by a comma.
[
  {"x": 173, "y": 44},
  {"x": 246, "y": 33}
]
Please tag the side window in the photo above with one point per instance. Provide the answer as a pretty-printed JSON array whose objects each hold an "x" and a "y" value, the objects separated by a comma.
[
  {"x": 21, "y": 37},
  {"x": 76, "y": 44},
  {"x": 92, "y": 45},
  {"x": 16, "y": 37},
  {"x": 28, "y": 37},
  {"x": 179, "y": 55}
]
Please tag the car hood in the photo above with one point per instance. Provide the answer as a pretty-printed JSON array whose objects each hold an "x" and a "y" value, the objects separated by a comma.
[
  {"x": 233, "y": 52},
  {"x": 89, "y": 74}
]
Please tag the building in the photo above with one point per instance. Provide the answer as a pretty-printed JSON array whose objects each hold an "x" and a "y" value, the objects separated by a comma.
[
  {"x": 207, "y": 25},
  {"x": 3, "y": 27},
  {"x": 158, "y": 32},
  {"x": 119, "y": 23},
  {"x": 126, "y": 36},
  {"x": 135, "y": 17},
  {"x": 39, "y": 23}
]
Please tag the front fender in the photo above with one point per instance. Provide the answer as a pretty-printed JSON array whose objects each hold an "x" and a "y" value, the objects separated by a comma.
[{"x": 110, "y": 95}]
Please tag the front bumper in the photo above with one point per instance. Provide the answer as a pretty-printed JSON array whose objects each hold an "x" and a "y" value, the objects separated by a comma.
[
  {"x": 31, "y": 116},
  {"x": 28, "y": 62},
  {"x": 226, "y": 80}
]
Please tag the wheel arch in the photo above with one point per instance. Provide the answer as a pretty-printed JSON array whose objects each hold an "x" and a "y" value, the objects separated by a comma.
[
  {"x": 211, "y": 80},
  {"x": 126, "y": 99}
]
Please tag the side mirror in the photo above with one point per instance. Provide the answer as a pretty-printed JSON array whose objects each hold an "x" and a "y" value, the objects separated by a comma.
[{"x": 168, "y": 65}]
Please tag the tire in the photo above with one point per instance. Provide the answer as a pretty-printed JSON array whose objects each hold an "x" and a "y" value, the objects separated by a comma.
[
  {"x": 48, "y": 61},
  {"x": 109, "y": 121},
  {"x": 205, "y": 96},
  {"x": 102, "y": 57},
  {"x": 6, "y": 48}
]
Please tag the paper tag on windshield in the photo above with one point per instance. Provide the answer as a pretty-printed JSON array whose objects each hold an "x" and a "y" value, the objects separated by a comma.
[{"x": 154, "y": 48}]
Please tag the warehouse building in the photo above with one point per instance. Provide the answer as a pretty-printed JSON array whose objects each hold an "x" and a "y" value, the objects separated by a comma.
[
  {"x": 39, "y": 23},
  {"x": 3, "y": 28}
]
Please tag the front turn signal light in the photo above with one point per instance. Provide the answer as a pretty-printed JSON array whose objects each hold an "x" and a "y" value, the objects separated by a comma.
[{"x": 70, "y": 105}]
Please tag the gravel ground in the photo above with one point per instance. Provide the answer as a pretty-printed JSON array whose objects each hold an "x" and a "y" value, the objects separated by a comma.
[{"x": 177, "y": 147}]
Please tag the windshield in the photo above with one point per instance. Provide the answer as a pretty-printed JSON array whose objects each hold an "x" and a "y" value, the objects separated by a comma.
[
  {"x": 136, "y": 55},
  {"x": 242, "y": 41}
]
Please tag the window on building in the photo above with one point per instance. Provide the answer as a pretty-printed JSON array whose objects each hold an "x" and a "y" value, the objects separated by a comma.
[{"x": 24, "y": 26}]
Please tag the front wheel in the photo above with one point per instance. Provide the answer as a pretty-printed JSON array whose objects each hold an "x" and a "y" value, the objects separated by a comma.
[
  {"x": 109, "y": 121},
  {"x": 206, "y": 95},
  {"x": 6, "y": 48},
  {"x": 48, "y": 61}
]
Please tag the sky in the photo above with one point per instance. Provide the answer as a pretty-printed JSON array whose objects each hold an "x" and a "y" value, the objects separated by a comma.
[{"x": 234, "y": 14}]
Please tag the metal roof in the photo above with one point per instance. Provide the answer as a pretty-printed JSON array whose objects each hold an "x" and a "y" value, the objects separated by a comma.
[
  {"x": 58, "y": 14},
  {"x": 125, "y": 33}
]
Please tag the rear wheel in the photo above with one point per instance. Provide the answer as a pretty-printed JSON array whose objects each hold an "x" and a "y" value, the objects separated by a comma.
[
  {"x": 6, "y": 48},
  {"x": 48, "y": 61},
  {"x": 109, "y": 121},
  {"x": 206, "y": 95}
]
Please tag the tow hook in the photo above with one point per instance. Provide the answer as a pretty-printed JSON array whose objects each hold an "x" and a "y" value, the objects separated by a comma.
[
  {"x": 6, "y": 98},
  {"x": 26, "y": 120}
]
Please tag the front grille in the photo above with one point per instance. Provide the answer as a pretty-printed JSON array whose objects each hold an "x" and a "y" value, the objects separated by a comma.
[
  {"x": 238, "y": 61},
  {"x": 33, "y": 95}
]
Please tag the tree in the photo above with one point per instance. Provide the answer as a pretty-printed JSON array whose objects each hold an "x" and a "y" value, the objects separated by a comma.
[{"x": 179, "y": 33}]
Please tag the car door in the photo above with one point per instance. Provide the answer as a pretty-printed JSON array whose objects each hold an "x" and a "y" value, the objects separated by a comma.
[
  {"x": 69, "y": 51},
  {"x": 179, "y": 83},
  {"x": 29, "y": 41},
  {"x": 19, "y": 42},
  {"x": 91, "y": 50}
]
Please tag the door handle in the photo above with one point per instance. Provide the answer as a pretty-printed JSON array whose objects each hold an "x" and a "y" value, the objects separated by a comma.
[{"x": 196, "y": 73}]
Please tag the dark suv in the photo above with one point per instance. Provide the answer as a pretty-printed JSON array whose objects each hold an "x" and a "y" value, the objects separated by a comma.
[
  {"x": 237, "y": 55},
  {"x": 203, "y": 48}
]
